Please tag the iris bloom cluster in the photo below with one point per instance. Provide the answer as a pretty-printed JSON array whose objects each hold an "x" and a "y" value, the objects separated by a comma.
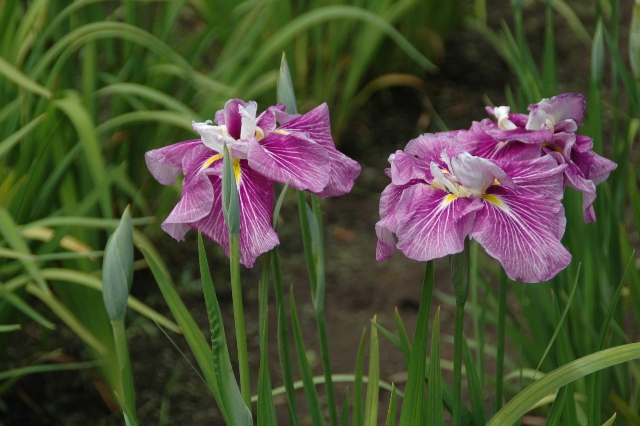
[
  {"x": 500, "y": 182},
  {"x": 270, "y": 147}
]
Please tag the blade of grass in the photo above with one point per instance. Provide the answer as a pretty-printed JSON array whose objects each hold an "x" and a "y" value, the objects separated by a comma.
[
  {"x": 564, "y": 315},
  {"x": 434, "y": 398},
  {"x": 286, "y": 365},
  {"x": 475, "y": 386},
  {"x": 358, "y": 401},
  {"x": 22, "y": 80},
  {"x": 413, "y": 406},
  {"x": 502, "y": 317},
  {"x": 391, "y": 413},
  {"x": 595, "y": 382},
  {"x": 405, "y": 343},
  {"x": 371, "y": 405},
  {"x": 266, "y": 410},
  {"x": 523, "y": 401},
  {"x": 344, "y": 416},
  {"x": 305, "y": 370}
]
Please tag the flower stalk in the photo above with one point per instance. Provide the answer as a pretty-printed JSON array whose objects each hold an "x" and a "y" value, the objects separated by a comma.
[
  {"x": 231, "y": 211},
  {"x": 460, "y": 272},
  {"x": 502, "y": 318}
]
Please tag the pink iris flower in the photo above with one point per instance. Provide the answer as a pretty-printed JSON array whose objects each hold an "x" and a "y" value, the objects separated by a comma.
[
  {"x": 440, "y": 194},
  {"x": 270, "y": 147},
  {"x": 549, "y": 129}
]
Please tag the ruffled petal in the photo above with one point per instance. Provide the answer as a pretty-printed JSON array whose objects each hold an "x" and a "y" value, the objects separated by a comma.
[
  {"x": 344, "y": 172},
  {"x": 542, "y": 177},
  {"x": 593, "y": 166},
  {"x": 165, "y": 164},
  {"x": 404, "y": 168},
  {"x": 267, "y": 119},
  {"x": 197, "y": 192},
  {"x": 291, "y": 158},
  {"x": 522, "y": 234},
  {"x": 486, "y": 144},
  {"x": 388, "y": 223},
  {"x": 230, "y": 117},
  {"x": 428, "y": 148},
  {"x": 213, "y": 225},
  {"x": 433, "y": 224},
  {"x": 563, "y": 108},
  {"x": 315, "y": 123}
]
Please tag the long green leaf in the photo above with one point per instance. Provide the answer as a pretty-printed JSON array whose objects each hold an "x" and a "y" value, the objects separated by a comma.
[
  {"x": 47, "y": 368},
  {"x": 22, "y": 80},
  {"x": 11, "y": 141},
  {"x": 527, "y": 398},
  {"x": 77, "y": 113},
  {"x": 9, "y": 231}
]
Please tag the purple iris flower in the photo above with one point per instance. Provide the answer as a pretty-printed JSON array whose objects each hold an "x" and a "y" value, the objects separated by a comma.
[
  {"x": 440, "y": 194},
  {"x": 299, "y": 151},
  {"x": 548, "y": 129}
]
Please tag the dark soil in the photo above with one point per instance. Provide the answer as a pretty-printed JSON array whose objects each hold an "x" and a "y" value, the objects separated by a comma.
[{"x": 168, "y": 389}]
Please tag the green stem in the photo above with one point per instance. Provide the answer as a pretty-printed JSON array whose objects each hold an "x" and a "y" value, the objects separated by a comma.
[
  {"x": 124, "y": 362},
  {"x": 238, "y": 316},
  {"x": 502, "y": 317},
  {"x": 460, "y": 274},
  {"x": 457, "y": 365}
]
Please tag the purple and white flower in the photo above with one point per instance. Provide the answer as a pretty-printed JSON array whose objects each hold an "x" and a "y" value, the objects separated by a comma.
[
  {"x": 270, "y": 147},
  {"x": 548, "y": 129},
  {"x": 440, "y": 194}
]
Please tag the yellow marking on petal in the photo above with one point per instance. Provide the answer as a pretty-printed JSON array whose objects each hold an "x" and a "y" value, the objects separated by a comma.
[
  {"x": 493, "y": 199},
  {"x": 259, "y": 133},
  {"x": 495, "y": 182},
  {"x": 236, "y": 169},
  {"x": 282, "y": 132},
  {"x": 210, "y": 161},
  {"x": 448, "y": 199}
]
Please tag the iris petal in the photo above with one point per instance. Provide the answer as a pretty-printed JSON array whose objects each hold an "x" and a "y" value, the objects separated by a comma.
[
  {"x": 165, "y": 164},
  {"x": 522, "y": 234}
]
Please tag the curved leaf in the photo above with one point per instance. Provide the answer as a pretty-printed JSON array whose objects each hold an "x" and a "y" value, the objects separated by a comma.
[{"x": 526, "y": 399}]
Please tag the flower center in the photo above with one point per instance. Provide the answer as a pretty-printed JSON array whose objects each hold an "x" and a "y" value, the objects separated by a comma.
[{"x": 465, "y": 175}]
